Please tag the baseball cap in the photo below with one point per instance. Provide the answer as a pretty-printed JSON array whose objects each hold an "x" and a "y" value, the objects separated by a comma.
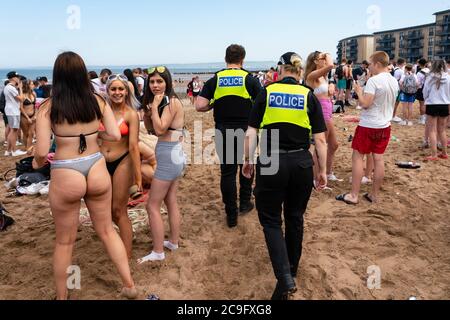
[
  {"x": 287, "y": 58},
  {"x": 42, "y": 79},
  {"x": 14, "y": 74}
]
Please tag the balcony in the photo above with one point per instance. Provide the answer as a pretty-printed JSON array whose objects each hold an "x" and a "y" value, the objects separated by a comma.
[
  {"x": 386, "y": 40},
  {"x": 385, "y": 48},
  {"x": 445, "y": 52},
  {"x": 414, "y": 36},
  {"x": 443, "y": 43},
  {"x": 414, "y": 45},
  {"x": 443, "y": 23},
  {"x": 443, "y": 32}
]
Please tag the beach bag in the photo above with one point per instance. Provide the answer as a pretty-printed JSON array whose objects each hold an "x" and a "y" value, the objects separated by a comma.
[
  {"x": 410, "y": 84},
  {"x": 26, "y": 166},
  {"x": 340, "y": 72},
  {"x": 29, "y": 178},
  {"x": 5, "y": 221}
]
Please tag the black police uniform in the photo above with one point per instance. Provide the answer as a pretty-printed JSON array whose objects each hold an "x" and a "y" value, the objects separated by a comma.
[{"x": 289, "y": 188}]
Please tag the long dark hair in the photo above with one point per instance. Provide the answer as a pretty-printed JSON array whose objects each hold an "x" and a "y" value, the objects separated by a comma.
[
  {"x": 72, "y": 99},
  {"x": 129, "y": 74},
  {"x": 167, "y": 77}
]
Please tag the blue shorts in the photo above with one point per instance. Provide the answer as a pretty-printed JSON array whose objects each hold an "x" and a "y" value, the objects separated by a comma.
[{"x": 407, "y": 98}]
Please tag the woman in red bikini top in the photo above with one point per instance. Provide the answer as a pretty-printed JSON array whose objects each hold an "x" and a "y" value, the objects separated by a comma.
[{"x": 123, "y": 158}]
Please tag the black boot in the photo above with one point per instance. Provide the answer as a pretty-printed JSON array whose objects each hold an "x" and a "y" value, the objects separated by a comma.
[
  {"x": 246, "y": 208},
  {"x": 284, "y": 288},
  {"x": 232, "y": 219}
]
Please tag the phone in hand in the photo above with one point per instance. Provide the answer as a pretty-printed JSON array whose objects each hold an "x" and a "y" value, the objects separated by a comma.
[{"x": 165, "y": 101}]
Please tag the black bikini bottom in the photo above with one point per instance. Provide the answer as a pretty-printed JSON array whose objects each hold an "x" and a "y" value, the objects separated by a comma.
[{"x": 112, "y": 166}]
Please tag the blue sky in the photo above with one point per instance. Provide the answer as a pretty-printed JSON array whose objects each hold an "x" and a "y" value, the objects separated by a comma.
[{"x": 139, "y": 32}]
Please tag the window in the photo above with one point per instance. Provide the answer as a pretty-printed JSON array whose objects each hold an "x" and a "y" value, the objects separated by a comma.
[{"x": 431, "y": 32}]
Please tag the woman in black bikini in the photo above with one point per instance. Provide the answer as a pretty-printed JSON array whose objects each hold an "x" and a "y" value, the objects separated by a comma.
[
  {"x": 73, "y": 114},
  {"x": 28, "y": 114},
  {"x": 123, "y": 158}
]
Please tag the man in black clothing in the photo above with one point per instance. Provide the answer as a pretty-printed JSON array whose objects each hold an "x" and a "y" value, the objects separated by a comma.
[{"x": 230, "y": 93}]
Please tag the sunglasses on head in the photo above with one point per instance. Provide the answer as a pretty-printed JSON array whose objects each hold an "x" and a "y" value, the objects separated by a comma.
[
  {"x": 158, "y": 69},
  {"x": 117, "y": 76}
]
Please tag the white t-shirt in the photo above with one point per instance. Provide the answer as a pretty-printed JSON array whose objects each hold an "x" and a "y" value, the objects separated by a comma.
[
  {"x": 99, "y": 86},
  {"x": 141, "y": 83},
  {"x": 398, "y": 74},
  {"x": 12, "y": 107},
  {"x": 385, "y": 89},
  {"x": 421, "y": 76}
]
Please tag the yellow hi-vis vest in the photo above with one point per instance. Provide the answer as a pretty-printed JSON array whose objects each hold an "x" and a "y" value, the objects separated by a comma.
[
  {"x": 231, "y": 82},
  {"x": 287, "y": 103}
]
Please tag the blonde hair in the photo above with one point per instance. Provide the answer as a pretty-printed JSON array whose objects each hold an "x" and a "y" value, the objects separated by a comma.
[
  {"x": 296, "y": 67},
  {"x": 130, "y": 100},
  {"x": 380, "y": 57},
  {"x": 311, "y": 65}
]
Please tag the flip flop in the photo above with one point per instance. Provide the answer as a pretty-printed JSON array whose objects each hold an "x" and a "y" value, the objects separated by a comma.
[
  {"x": 431, "y": 158},
  {"x": 443, "y": 156},
  {"x": 341, "y": 197},
  {"x": 368, "y": 198}
]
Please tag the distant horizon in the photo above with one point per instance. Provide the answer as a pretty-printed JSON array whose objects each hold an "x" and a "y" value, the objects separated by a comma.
[{"x": 140, "y": 65}]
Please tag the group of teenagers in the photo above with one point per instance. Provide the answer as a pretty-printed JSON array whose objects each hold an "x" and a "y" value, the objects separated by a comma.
[{"x": 98, "y": 137}]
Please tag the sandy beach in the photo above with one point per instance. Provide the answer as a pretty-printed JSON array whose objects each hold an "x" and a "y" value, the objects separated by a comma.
[{"x": 406, "y": 235}]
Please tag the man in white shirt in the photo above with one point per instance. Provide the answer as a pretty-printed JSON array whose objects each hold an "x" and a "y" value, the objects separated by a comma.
[
  {"x": 140, "y": 81},
  {"x": 399, "y": 71},
  {"x": 100, "y": 83},
  {"x": 374, "y": 131},
  {"x": 13, "y": 98}
]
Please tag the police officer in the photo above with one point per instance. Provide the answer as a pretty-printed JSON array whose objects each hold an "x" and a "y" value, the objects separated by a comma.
[
  {"x": 230, "y": 93},
  {"x": 287, "y": 113}
]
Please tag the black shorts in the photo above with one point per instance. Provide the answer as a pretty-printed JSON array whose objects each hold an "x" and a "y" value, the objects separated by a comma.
[
  {"x": 5, "y": 118},
  {"x": 196, "y": 94},
  {"x": 419, "y": 95},
  {"x": 349, "y": 84},
  {"x": 437, "y": 110}
]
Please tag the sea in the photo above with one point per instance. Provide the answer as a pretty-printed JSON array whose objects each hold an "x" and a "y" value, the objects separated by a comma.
[{"x": 180, "y": 72}]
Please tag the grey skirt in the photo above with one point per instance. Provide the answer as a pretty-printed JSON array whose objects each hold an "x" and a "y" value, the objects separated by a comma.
[{"x": 170, "y": 161}]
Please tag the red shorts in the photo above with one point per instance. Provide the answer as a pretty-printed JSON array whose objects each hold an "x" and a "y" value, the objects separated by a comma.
[{"x": 369, "y": 140}]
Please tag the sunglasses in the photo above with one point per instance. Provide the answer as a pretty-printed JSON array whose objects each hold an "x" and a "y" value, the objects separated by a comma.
[
  {"x": 159, "y": 69},
  {"x": 117, "y": 76}
]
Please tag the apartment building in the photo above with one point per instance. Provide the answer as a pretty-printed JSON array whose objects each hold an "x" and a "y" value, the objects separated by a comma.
[
  {"x": 429, "y": 41},
  {"x": 357, "y": 49}
]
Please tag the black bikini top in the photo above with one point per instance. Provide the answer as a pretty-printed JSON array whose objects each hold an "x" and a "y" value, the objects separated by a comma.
[
  {"x": 27, "y": 102},
  {"x": 83, "y": 144}
]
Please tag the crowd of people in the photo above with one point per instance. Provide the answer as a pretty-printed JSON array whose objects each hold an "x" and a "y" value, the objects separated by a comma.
[{"x": 94, "y": 121}]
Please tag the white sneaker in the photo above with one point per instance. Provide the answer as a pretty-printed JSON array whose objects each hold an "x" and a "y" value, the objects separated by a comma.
[
  {"x": 403, "y": 123},
  {"x": 333, "y": 178},
  {"x": 8, "y": 154},
  {"x": 18, "y": 153},
  {"x": 152, "y": 257},
  {"x": 397, "y": 119},
  {"x": 410, "y": 123},
  {"x": 365, "y": 181},
  {"x": 169, "y": 245},
  {"x": 358, "y": 108},
  {"x": 5, "y": 144},
  {"x": 19, "y": 144}
]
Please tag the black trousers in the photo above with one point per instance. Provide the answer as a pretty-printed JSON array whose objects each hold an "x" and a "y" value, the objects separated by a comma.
[
  {"x": 289, "y": 191},
  {"x": 230, "y": 149}
]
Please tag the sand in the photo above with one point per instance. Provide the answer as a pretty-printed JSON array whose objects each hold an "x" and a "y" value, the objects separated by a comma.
[{"x": 406, "y": 235}]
